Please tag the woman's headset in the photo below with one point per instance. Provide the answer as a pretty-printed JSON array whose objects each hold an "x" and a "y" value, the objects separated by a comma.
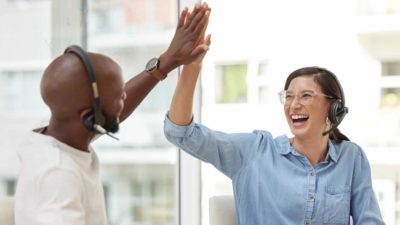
[
  {"x": 338, "y": 109},
  {"x": 95, "y": 119}
]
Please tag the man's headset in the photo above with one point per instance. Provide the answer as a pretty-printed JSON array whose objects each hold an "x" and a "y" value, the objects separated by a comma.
[
  {"x": 338, "y": 109},
  {"x": 94, "y": 120}
]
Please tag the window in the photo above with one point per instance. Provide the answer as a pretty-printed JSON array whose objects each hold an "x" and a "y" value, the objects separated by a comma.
[
  {"x": 390, "y": 97},
  {"x": 262, "y": 68},
  {"x": 379, "y": 7},
  {"x": 391, "y": 68},
  {"x": 7, "y": 187},
  {"x": 140, "y": 174},
  {"x": 151, "y": 193},
  {"x": 231, "y": 83},
  {"x": 19, "y": 90},
  {"x": 390, "y": 84},
  {"x": 263, "y": 94}
]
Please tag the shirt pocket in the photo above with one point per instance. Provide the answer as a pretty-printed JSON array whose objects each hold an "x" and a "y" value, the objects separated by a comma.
[{"x": 337, "y": 205}]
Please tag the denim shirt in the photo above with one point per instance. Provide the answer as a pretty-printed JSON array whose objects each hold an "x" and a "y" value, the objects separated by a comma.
[{"x": 274, "y": 184}]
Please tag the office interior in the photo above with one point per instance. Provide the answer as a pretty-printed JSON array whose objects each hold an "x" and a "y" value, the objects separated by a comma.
[{"x": 255, "y": 45}]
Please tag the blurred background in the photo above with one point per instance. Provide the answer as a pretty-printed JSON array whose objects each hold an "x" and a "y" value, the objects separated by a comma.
[{"x": 255, "y": 45}]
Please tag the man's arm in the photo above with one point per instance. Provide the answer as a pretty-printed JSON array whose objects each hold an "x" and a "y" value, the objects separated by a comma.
[{"x": 183, "y": 49}]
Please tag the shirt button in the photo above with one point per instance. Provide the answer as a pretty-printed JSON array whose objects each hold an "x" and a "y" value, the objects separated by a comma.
[
  {"x": 312, "y": 173},
  {"x": 307, "y": 222},
  {"x": 311, "y": 196}
]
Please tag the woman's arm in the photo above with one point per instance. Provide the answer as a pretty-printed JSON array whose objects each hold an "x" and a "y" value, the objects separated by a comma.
[
  {"x": 180, "y": 111},
  {"x": 364, "y": 205}
]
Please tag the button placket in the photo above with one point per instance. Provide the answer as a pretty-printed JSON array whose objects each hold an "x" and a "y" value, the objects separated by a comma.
[{"x": 310, "y": 195}]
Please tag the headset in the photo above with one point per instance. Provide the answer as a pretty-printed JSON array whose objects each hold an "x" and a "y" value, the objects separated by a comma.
[
  {"x": 338, "y": 109},
  {"x": 95, "y": 119}
]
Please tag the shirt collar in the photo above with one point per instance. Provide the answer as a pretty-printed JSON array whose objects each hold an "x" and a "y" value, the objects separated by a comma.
[
  {"x": 285, "y": 148},
  {"x": 333, "y": 151}
]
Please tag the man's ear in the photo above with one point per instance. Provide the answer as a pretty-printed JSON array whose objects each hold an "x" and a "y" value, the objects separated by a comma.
[
  {"x": 87, "y": 118},
  {"x": 85, "y": 112}
]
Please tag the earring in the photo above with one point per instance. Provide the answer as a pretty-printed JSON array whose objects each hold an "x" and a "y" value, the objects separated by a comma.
[{"x": 328, "y": 123}]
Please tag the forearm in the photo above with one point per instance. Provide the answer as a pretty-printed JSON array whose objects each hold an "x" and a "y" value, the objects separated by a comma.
[
  {"x": 137, "y": 88},
  {"x": 180, "y": 111},
  {"x": 183, "y": 49}
]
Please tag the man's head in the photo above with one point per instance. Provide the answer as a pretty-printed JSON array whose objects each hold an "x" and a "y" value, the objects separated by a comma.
[{"x": 67, "y": 89}]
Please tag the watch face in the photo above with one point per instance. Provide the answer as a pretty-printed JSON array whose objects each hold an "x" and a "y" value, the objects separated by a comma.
[{"x": 152, "y": 64}]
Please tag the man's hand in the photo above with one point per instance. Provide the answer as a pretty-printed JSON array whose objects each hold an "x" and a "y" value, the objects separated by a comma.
[{"x": 186, "y": 46}]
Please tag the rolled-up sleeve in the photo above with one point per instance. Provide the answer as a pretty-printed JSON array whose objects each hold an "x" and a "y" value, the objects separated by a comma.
[
  {"x": 227, "y": 152},
  {"x": 364, "y": 205}
]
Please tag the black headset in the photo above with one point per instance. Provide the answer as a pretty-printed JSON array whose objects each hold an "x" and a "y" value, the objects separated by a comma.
[
  {"x": 338, "y": 109},
  {"x": 95, "y": 119}
]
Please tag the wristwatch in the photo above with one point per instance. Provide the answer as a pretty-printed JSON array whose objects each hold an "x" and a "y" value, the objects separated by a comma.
[{"x": 152, "y": 67}]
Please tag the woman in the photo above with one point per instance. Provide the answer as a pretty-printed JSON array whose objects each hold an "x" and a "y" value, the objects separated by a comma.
[{"x": 310, "y": 178}]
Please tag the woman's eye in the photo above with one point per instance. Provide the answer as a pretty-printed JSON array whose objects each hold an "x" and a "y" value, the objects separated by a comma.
[{"x": 289, "y": 97}]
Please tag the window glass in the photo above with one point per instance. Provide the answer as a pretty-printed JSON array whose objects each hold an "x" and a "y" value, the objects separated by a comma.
[
  {"x": 25, "y": 39},
  {"x": 231, "y": 84},
  {"x": 140, "y": 174},
  {"x": 391, "y": 68},
  {"x": 390, "y": 97}
]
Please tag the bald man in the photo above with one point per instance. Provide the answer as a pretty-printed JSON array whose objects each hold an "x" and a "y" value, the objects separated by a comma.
[{"x": 59, "y": 181}]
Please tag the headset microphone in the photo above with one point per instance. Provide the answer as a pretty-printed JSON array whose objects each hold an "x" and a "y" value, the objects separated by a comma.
[{"x": 101, "y": 130}]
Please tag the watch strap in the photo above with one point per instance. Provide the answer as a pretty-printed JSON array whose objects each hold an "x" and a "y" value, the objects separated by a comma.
[{"x": 157, "y": 74}]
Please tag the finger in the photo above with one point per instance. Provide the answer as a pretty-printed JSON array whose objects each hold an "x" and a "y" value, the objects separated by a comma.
[
  {"x": 206, "y": 23},
  {"x": 205, "y": 5},
  {"x": 197, "y": 8},
  {"x": 182, "y": 18},
  {"x": 202, "y": 24},
  {"x": 198, "y": 20},
  {"x": 208, "y": 40},
  {"x": 200, "y": 49}
]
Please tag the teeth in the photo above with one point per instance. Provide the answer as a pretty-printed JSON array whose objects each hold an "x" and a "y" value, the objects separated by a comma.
[{"x": 296, "y": 117}]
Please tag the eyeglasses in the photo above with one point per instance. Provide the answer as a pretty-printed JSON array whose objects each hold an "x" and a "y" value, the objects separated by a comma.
[{"x": 304, "y": 98}]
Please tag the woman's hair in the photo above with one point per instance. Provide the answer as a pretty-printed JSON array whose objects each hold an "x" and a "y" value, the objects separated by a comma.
[{"x": 329, "y": 85}]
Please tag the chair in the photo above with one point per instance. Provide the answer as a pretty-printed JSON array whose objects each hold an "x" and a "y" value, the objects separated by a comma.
[
  {"x": 7, "y": 210},
  {"x": 222, "y": 210}
]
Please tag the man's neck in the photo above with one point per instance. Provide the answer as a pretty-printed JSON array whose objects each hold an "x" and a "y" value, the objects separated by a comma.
[{"x": 70, "y": 133}]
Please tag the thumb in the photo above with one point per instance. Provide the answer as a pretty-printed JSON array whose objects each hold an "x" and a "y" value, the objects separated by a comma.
[{"x": 200, "y": 49}]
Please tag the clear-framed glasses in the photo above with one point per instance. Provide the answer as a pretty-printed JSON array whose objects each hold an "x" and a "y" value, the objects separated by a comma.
[{"x": 304, "y": 97}]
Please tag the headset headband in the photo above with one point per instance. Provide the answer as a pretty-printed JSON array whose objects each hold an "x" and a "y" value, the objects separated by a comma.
[
  {"x": 341, "y": 97},
  {"x": 98, "y": 115}
]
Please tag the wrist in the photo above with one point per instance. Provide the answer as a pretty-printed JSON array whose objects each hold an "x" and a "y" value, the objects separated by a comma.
[
  {"x": 167, "y": 63},
  {"x": 195, "y": 66}
]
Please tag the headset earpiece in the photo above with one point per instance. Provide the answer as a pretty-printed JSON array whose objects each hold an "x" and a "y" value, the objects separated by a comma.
[
  {"x": 336, "y": 111},
  {"x": 89, "y": 120}
]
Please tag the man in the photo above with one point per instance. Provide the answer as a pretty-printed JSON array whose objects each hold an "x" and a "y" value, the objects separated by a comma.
[{"x": 59, "y": 180}]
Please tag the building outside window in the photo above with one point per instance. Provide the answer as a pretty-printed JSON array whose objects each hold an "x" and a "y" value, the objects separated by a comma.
[{"x": 231, "y": 83}]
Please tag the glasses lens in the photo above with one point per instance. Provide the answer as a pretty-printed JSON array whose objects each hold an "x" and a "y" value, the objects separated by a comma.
[{"x": 282, "y": 96}]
